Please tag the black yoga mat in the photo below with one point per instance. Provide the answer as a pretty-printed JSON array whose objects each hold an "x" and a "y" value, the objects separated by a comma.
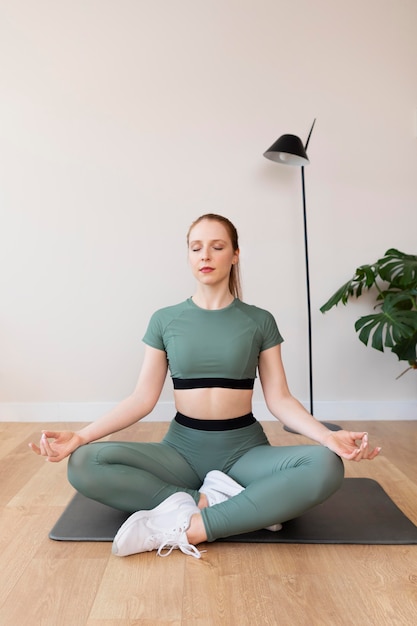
[{"x": 359, "y": 513}]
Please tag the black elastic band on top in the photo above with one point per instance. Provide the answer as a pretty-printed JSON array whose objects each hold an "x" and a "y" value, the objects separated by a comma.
[
  {"x": 229, "y": 424},
  {"x": 202, "y": 383}
]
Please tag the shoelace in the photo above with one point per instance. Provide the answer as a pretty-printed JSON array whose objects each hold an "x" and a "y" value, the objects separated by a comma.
[{"x": 187, "y": 548}]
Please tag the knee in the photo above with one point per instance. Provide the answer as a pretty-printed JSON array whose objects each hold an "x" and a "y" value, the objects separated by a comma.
[
  {"x": 77, "y": 467},
  {"x": 330, "y": 469},
  {"x": 79, "y": 457}
]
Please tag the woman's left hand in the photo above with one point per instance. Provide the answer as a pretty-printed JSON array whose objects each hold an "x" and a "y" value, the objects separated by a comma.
[{"x": 350, "y": 445}]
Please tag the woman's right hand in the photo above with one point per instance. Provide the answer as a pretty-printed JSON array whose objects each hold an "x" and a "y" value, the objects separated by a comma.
[{"x": 56, "y": 446}]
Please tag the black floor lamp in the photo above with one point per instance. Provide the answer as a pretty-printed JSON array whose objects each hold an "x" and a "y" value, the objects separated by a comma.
[{"x": 289, "y": 150}]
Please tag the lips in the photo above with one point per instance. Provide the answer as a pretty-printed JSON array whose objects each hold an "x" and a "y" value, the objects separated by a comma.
[{"x": 206, "y": 270}]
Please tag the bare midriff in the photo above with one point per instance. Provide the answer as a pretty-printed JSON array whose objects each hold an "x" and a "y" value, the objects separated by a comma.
[{"x": 213, "y": 403}]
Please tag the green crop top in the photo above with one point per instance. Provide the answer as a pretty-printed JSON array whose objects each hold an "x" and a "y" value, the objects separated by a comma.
[{"x": 212, "y": 348}]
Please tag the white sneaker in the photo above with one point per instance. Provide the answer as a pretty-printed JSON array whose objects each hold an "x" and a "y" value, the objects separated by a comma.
[
  {"x": 160, "y": 528},
  {"x": 219, "y": 487},
  {"x": 274, "y": 528}
]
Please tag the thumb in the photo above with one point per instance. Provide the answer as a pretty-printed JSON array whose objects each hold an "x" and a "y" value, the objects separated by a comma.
[
  {"x": 51, "y": 434},
  {"x": 357, "y": 435}
]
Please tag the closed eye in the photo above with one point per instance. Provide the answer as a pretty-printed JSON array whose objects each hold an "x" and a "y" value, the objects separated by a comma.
[{"x": 214, "y": 248}]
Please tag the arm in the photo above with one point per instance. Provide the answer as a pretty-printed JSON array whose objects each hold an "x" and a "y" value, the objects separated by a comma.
[
  {"x": 291, "y": 412},
  {"x": 136, "y": 406}
]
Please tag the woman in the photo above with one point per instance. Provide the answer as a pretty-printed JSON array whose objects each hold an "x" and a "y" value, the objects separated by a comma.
[{"x": 214, "y": 474}]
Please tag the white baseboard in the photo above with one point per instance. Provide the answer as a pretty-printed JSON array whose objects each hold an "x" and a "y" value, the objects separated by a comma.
[{"x": 89, "y": 411}]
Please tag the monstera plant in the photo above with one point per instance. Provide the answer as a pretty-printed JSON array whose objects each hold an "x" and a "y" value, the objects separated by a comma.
[{"x": 393, "y": 325}]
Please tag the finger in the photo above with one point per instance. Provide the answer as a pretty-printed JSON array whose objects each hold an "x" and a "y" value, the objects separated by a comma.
[
  {"x": 374, "y": 453},
  {"x": 51, "y": 434},
  {"x": 368, "y": 456},
  {"x": 42, "y": 448},
  {"x": 48, "y": 450},
  {"x": 369, "y": 453},
  {"x": 351, "y": 456},
  {"x": 358, "y": 436},
  {"x": 34, "y": 448},
  {"x": 364, "y": 447},
  {"x": 43, "y": 445}
]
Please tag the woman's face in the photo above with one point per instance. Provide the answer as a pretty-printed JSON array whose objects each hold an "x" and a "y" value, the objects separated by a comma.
[{"x": 211, "y": 253}]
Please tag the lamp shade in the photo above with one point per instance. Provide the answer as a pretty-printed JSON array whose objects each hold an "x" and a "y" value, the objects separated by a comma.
[{"x": 288, "y": 149}]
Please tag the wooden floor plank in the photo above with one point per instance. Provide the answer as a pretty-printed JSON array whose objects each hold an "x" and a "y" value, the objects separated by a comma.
[
  {"x": 141, "y": 587},
  {"x": 61, "y": 591}
]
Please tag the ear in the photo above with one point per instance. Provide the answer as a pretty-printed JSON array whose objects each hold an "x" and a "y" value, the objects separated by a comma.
[{"x": 236, "y": 257}]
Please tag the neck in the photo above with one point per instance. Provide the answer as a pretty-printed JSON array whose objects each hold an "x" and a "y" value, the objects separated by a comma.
[{"x": 207, "y": 299}]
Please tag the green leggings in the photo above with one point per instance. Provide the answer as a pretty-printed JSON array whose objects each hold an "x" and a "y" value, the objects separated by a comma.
[{"x": 280, "y": 482}]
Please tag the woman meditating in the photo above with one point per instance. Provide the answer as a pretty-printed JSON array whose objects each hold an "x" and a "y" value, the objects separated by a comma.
[{"x": 214, "y": 474}]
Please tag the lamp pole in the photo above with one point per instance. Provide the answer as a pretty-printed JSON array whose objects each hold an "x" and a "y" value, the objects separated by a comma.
[{"x": 310, "y": 347}]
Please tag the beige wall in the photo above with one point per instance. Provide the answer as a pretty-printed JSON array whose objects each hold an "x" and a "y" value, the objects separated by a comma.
[{"x": 122, "y": 121}]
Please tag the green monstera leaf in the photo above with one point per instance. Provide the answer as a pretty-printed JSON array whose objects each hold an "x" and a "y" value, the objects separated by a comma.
[
  {"x": 390, "y": 327},
  {"x": 364, "y": 278},
  {"x": 406, "y": 350},
  {"x": 398, "y": 268},
  {"x": 394, "y": 325}
]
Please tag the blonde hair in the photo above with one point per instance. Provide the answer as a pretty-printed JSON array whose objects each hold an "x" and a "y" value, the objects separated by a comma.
[{"x": 234, "y": 276}]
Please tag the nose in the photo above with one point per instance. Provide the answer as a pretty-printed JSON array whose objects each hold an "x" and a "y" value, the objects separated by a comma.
[{"x": 205, "y": 254}]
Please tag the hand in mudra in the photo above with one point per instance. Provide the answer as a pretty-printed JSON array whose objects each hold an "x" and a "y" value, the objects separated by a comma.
[
  {"x": 55, "y": 446},
  {"x": 352, "y": 446}
]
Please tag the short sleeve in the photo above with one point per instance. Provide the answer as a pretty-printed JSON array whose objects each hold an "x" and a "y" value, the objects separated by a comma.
[
  {"x": 271, "y": 335},
  {"x": 154, "y": 333}
]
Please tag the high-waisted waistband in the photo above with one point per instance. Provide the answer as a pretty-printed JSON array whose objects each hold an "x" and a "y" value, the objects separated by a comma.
[{"x": 229, "y": 424}]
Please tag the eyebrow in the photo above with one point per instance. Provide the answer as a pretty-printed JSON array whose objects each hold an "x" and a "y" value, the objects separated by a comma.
[{"x": 192, "y": 243}]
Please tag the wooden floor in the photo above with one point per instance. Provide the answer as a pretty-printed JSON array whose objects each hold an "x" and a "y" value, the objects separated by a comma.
[{"x": 49, "y": 583}]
